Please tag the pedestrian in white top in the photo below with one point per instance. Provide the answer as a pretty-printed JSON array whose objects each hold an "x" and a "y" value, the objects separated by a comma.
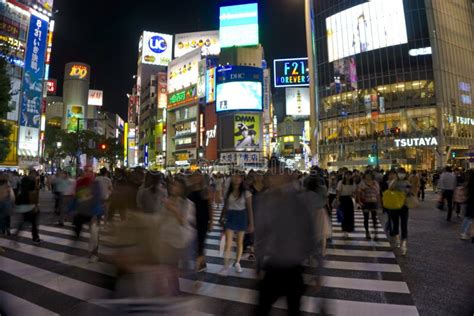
[{"x": 447, "y": 184}]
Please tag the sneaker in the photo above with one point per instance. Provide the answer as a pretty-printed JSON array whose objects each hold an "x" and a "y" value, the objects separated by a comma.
[
  {"x": 465, "y": 237},
  {"x": 397, "y": 241},
  {"x": 224, "y": 272},
  {"x": 37, "y": 241},
  {"x": 404, "y": 248},
  {"x": 202, "y": 267},
  {"x": 238, "y": 268}
]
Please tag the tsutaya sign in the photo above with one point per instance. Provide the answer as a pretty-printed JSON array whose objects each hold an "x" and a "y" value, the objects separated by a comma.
[{"x": 416, "y": 142}]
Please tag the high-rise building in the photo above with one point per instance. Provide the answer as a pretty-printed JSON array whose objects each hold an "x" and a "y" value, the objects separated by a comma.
[
  {"x": 395, "y": 82},
  {"x": 26, "y": 41}
]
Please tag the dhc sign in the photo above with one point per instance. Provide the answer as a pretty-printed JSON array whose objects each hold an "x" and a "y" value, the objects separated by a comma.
[{"x": 416, "y": 142}]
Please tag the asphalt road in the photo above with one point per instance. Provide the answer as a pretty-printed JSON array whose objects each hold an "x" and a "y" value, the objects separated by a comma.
[{"x": 360, "y": 277}]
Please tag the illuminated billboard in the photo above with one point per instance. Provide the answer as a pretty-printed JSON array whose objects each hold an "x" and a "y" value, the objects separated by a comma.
[
  {"x": 297, "y": 102},
  {"x": 96, "y": 97},
  {"x": 211, "y": 85},
  {"x": 239, "y": 25},
  {"x": 185, "y": 96},
  {"x": 184, "y": 71},
  {"x": 365, "y": 27},
  {"x": 247, "y": 131},
  {"x": 77, "y": 71},
  {"x": 74, "y": 118},
  {"x": 291, "y": 72},
  {"x": 156, "y": 48},
  {"x": 52, "y": 86},
  {"x": 207, "y": 41},
  {"x": 43, "y": 6},
  {"x": 32, "y": 91},
  {"x": 239, "y": 88}
]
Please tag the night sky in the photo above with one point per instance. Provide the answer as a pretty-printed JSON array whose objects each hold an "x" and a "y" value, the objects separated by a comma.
[{"x": 105, "y": 35}]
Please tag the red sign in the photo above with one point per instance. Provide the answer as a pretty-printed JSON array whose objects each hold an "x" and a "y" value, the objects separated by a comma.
[{"x": 52, "y": 86}]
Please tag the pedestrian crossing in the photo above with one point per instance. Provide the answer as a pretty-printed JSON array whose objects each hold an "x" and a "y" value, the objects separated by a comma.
[{"x": 359, "y": 277}]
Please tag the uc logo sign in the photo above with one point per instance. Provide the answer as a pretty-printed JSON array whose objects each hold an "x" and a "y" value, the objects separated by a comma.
[
  {"x": 157, "y": 44},
  {"x": 78, "y": 71}
]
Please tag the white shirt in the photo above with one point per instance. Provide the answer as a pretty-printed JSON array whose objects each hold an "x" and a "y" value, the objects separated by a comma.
[
  {"x": 345, "y": 189},
  {"x": 447, "y": 181},
  {"x": 238, "y": 203},
  {"x": 105, "y": 186}
]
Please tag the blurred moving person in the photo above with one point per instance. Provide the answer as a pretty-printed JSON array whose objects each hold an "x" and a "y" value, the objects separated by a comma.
[
  {"x": 27, "y": 203},
  {"x": 199, "y": 195},
  {"x": 447, "y": 184},
  {"x": 285, "y": 237},
  {"x": 238, "y": 218},
  {"x": 88, "y": 208},
  {"x": 152, "y": 194},
  {"x": 469, "y": 214},
  {"x": 7, "y": 203},
  {"x": 105, "y": 188},
  {"x": 176, "y": 232}
]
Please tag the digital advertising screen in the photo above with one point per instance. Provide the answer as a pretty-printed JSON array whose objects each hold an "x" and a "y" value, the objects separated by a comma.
[
  {"x": 365, "y": 27},
  {"x": 239, "y": 25},
  {"x": 239, "y": 88},
  {"x": 157, "y": 48},
  {"x": 291, "y": 72},
  {"x": 297, "y": 102}
]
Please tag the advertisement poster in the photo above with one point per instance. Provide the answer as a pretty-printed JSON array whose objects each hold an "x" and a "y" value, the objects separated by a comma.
[
  {"x": 365, "y": 27},
  {"x": 207, "y": 41},
  {"x": 184, "y": 71},
  {"x": 246, "y": 131},
  {"x": 211, "y": 85},
  {"x": 297, "y": 102},
  {"x": 162, "y": 90},
  {"x": 15, "y": 99},
  {"x": 29, "y": 141},
  {"x": 239, "y": 25},
  {"x": 96, "y": 97},
  {"x": 74, "y": 115},
  {"x": 34, "y": 71},
  {"x": 157, "y": 48}
]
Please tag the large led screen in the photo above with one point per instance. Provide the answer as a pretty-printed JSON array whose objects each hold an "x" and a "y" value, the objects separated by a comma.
[
  {"x": 365, "y": 27},
  {"x": 239, "y": 95},
  {"x": 239, "y": 25}
]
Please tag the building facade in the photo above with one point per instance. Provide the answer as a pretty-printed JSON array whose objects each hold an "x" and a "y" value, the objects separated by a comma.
[{"x": 395, "y": 82}]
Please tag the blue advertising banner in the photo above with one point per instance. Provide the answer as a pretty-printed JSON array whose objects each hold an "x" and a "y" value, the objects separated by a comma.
[
  {"x": 239, "y": 73},
  {"x": 32, "y": 89}
]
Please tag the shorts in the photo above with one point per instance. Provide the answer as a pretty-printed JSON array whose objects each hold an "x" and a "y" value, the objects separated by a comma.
[
  {"x": 369, "y": 207},
  {"x": 236, "y": 220}
]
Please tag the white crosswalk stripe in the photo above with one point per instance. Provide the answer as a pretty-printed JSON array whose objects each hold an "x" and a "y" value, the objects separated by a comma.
[{"x": 359, "y": 276}]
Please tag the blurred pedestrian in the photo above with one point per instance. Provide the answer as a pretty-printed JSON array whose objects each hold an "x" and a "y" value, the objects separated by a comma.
[
  {"x": 27, "y": 203},
  {"x": 7, "y": 203},
  {"x": 447, "y": 184},
  {"x": 285, "y": 237},
  {"x": 469, "y": 214},
  {"x": 200, "y": 196},
  {"x": 152, "y": 194},
  {"x": 368, "y": 196},
  {"x": 88, "y": 208}
]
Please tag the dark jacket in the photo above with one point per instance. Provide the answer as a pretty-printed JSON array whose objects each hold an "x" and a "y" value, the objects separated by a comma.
[{"x": 27, "y": 185}]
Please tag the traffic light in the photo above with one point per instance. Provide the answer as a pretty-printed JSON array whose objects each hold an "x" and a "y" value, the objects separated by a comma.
[
  {"x": 103, "y": 146},
  {"x": 372, "y": 159},
  {"x": 453, "y": 154}
]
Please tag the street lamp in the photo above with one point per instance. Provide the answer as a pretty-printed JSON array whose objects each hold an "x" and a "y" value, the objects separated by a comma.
[{"x": 59, "y": 144}]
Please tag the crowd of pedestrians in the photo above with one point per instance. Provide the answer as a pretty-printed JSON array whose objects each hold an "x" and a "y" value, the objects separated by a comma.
[{"x": 279, "y": 218}]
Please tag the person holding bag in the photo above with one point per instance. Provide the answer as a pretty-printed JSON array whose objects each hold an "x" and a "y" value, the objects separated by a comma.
[{"x": 394, "y": 200}]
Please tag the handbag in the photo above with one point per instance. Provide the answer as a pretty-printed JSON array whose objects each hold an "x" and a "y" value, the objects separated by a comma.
[
  {"x": 412, "y": 202},
  {"x": 393, "y": 200}
]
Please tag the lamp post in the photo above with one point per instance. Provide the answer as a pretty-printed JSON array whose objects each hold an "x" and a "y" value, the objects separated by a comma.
[{"x": 313, "y": 82}]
